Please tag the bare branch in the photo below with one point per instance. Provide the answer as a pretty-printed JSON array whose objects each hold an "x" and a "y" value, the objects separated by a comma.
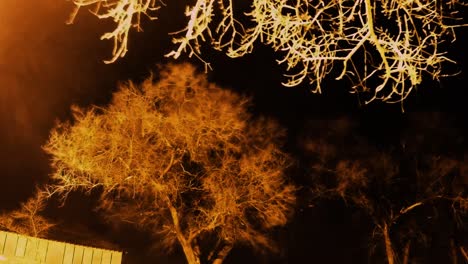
[{"x": 397, "y": 42}]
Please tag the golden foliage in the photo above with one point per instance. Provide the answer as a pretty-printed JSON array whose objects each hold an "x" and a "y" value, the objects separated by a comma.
[
  {"x": 384, "y": 46},
  {"x": 179, "y": 157}
]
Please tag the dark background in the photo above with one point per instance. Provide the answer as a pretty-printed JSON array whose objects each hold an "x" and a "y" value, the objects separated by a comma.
[{"x": 46, "y": 66}]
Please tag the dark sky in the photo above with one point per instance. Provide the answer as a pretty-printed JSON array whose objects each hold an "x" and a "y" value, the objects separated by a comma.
[{"x": 45, "y": 66}]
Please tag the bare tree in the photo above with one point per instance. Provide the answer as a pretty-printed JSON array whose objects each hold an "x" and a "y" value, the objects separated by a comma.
[
  {"x": 382, "y": 46},
  {"x": 28, "y": 219},
  {"x": 396, "y": 189},
  {"x": 180, "y": 158}
]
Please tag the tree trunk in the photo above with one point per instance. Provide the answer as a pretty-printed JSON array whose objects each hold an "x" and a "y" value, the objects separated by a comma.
[
  {"x": 453, "y": 252},
  {"x": 190, "y": 254},
  {"x": 388, "y": 245},
  {"x": 33, "y": 225},
  {"x": 222, "y": 254},
  {"x": 406, "y": 252},
  {"x": 464, "y": 253}
]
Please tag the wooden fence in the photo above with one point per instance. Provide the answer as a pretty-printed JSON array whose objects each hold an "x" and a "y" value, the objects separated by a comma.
[{"x": 19, "y": 249}]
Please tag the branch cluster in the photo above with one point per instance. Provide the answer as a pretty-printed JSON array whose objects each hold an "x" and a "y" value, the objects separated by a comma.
[{"x": 385, "y": 47}]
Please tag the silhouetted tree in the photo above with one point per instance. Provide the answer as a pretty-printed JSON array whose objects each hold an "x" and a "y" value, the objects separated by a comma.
[
  {"x": 180, "y": 158},
  {"x": 402, "y": 191}
]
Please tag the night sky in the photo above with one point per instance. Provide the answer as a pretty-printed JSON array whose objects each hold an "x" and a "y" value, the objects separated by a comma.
[{"x": 46, "y": 66}]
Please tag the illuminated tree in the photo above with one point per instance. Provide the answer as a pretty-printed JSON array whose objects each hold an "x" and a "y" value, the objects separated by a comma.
[
  {"x": 180, "y": 158},
  {"x": 382, "y": 46},
  {"x": 28, "y": 219},
  {"x": 404, "y": 192}
]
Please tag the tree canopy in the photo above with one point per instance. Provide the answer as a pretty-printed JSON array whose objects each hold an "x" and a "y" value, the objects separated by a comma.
[{"x": 180, "y": 158}]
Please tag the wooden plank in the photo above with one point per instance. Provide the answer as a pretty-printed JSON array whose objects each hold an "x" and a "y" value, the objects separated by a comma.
[
  {"x": 87, "y": 255},
  {"x": 10, "y": 244},
  {"x": 116, "y": 258},
  {"x": 68, "y": 255},
  {"x": 78, "y": 256},
  {"x": 3, "y": 236},
  {"x": 31, "y": 248},
  {"x": 42, "y": 250},
  {"x": 55, "y": 252},
  {"x": 106, "y": 257},
  {"x": 97, "y": 256},
  {"x": 21, "y": 246}
]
